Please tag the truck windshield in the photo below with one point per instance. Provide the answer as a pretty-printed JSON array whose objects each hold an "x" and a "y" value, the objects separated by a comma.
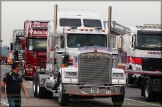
[
  {"x": 37, "y": 44},
  {"x": 149, "y": 41},
  {"x": 18, "y": 47},
  {"x": 81, "y": 40}
]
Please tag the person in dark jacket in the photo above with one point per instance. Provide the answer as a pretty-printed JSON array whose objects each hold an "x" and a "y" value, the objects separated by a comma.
[{"x": 13, "y": 82}]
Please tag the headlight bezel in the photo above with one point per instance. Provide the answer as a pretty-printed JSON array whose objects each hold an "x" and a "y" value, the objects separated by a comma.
[
  {"x": 122, "y": 75},
  {"x": 114, "y": 60},
  {"x": 71, "y": 74},
  {"x": 29, "y": 69}
]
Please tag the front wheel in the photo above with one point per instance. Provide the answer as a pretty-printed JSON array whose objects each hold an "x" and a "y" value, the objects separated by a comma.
[
  {"x": 62, "y": 98},
  {"x": 148, "y": 94},
  {"x": 118, "y": 100},
  {"x": 41, "y": 91}
]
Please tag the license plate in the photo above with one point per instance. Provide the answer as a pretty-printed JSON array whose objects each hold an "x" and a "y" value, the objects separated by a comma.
[{"x": 94, "y": 89}]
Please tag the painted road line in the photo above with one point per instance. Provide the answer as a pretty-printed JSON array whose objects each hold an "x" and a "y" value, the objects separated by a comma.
[
  {"x": 148, "y": 103},
  {"x": 6, "y": 68},
  {"x": 31, "y": 82},
  {"x": 4, "y": 103}
]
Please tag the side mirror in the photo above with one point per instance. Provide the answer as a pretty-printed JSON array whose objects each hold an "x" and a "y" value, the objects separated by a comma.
[
  {"x": 133, "y": 41},
  {"x": 8, "y": 48},
  {"x": 23, "y": 45},
  {"x": 11, "y": 47},
  {"x": 119, "y": 42}
]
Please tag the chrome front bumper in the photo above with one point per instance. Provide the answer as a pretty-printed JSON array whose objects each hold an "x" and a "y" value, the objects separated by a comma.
[{"x": 91, "y": 90}]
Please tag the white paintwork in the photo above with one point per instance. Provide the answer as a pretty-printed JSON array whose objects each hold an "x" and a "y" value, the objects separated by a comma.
[{"x": 116, "y": 80}]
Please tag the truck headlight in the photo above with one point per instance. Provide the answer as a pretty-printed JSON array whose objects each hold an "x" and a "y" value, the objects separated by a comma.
[
  {"x": 29, "y": 69},
  {"x": 71, "y": 74},
  {"x": 138, "y": 68},
  {"x": 38, "y": 69},
  {"x": 42, "y": 69},
  {"x": 118, "y": 75}
]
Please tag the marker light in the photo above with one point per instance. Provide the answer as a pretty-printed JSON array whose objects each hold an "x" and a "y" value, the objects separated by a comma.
[
  {"x": 68, "y": 29},
  {"x": 91, "y": 29},
  {"x": 103, "y": 30},
  {"x": 81, "y": 29}
]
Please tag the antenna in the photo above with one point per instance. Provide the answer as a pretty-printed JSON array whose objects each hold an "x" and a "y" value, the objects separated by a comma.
[{"x": 116, "y": 10}]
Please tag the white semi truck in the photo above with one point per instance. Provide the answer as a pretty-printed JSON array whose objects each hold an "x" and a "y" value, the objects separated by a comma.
[
  {"x": 143, "y": 50},
  {"x": 75, "y": 68}
]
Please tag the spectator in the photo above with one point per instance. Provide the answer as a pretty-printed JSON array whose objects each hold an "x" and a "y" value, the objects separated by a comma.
[{"x": 13, "y": 82}]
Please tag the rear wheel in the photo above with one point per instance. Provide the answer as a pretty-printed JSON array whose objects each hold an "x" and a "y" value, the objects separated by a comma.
[
  {"x": 118, "y": 100},
  {"x": 49, "y": 94}
]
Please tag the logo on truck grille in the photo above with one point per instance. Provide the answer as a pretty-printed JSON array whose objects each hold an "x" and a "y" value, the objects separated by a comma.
[{"x": 95, "y": 52}]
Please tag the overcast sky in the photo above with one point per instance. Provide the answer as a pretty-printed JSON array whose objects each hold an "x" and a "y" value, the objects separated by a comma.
[{"x": 126, "y": 13}]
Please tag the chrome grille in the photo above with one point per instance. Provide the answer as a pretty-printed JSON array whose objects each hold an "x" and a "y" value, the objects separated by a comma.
[
  {"x": 94, "y": 69},
  {"x": 39, "y": 62}
]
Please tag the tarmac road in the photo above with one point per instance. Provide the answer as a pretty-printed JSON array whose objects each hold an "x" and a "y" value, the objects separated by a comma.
[{"x": 132, "y": 98}]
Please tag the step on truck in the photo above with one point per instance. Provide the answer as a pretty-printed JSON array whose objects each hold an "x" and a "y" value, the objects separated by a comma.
[
  {"x": 34, "y": 45},
  {"x": 143, "y": 50},
  {"x": 74, "y": 68}
]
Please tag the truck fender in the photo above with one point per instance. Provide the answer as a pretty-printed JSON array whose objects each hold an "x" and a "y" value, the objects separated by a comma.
[
  {"x": 143, "y": 83},
  {"x": 58, "y": 76}
]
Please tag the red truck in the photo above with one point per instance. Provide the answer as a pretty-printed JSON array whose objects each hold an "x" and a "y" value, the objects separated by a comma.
[{"x": 34, "y": 45}]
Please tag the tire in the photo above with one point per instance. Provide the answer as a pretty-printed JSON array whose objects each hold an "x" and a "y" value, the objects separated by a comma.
[
  {"x": 41, "y": 91},
  {"x": 35, "y": 85},
  {"x": 63, "y": 98},
  {"x": 148, "y": 94},
  {"x": 118, "y": 100},
  {"x": 49, "y": 94}
]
